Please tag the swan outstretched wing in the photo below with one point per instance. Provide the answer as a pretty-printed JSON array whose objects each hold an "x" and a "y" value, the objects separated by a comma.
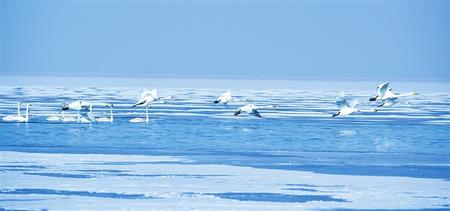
[
  {"x": 382, "y": 89},
  {"x": 154, "y": 93},
  {"x": 255, "y": 113},
  {"x": 353, "y": 103},
  {"x": 342, "y": 104},
  {"x": 226, "y": 95}
]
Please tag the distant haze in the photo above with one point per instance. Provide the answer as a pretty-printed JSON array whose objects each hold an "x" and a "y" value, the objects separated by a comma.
[{"x": 263, "y": 39}]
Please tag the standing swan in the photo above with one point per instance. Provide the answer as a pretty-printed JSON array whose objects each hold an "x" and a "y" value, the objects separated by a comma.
[{"x": 18, "y": 117}]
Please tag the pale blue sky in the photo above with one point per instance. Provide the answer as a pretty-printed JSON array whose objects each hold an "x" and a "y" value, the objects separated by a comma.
[{"x": 284, "y": 39}]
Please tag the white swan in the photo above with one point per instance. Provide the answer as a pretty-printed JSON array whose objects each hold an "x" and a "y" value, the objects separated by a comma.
[
  {"x": 54, "y": 118},
  {"x": 146, "y": 98},
  {"x": 386, "y": 96},
  {"x": 90, "y": 115},
  {"x": 139, "y": 120},
  {"x": 346, "y": 108},
  {"x": 107, "y": 119},
  {"x": 18, "y": 112},
  {"x": 18, "y": 117},
  {"x": 62, "y": 117},
  {"x": 251, "y": 109},
  {"x": 224, "y": 98},
  {"x": 78, "y": 106}
]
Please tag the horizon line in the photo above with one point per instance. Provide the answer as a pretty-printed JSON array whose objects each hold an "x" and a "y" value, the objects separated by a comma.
[{"x": 221, "y": 77}]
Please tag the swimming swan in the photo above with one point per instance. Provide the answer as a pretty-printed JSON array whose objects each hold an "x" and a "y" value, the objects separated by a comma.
[
  {"x": 18, "y": 117},
  {"x": 139, "y": 120},
  {"x": 107, "y": 119}
]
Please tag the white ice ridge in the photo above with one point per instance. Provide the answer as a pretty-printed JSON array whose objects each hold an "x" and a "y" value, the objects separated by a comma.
[{"x": 133, "y": 182}]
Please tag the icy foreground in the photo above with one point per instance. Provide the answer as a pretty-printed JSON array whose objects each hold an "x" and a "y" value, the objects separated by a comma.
[{"x": 134, "y": 182}]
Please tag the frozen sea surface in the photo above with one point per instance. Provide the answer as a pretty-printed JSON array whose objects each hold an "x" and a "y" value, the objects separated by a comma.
[{"x": 194, "y": 154}]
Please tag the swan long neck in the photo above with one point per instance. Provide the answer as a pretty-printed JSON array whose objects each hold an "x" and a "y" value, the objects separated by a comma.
[
  {"x": 26, "y": 112},
  {"x": 18, "y": 109}
]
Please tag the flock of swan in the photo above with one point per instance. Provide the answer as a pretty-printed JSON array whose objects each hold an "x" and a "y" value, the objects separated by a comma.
[{"x": 384, "y": 95}]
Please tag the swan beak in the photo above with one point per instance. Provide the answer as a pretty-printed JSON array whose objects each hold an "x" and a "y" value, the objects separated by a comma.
[
  {"x": 414, "y": 93},
  {"x": 373, "y": 98}
]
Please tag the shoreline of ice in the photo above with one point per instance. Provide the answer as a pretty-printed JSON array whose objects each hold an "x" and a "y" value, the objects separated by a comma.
[{"x": 53, "y": 181}]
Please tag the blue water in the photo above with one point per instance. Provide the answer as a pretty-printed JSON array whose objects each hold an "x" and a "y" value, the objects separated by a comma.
[
  {"x": 407, "y": 146},
  {"x": 410, "y": 138}
]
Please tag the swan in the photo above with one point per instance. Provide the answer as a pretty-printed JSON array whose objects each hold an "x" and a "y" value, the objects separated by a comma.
[
  {"x": 18, "y": 117},
  {"x": 386, "y": 96},
  {"x": 146, "y": 98},
  {"x": 107, "y": 119},
  {"x": 346, "y": 108},
  {"x": 53, "y": 118},
  {"x": 251, "y": 109},
  {"x": 62, "y": 118},
  {"x": 224, "y": 98},
  {"x": 11, "y": 117},
  {"x": 139, "y": 120},
  {"x": 18, "y": 112},
  {"x": 77, "y": 105},
  {"x": 90, "y": 115}
]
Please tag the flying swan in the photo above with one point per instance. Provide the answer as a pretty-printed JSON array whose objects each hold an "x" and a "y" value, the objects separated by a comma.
[
  {"x": 251, "y": 109},
  {"x": 346, "y": 108},
  {"x": 386, "y": 96}
]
